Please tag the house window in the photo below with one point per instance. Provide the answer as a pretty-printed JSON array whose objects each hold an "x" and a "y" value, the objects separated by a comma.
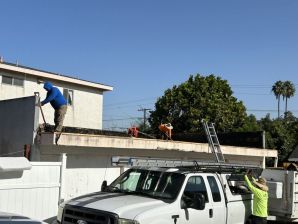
[
  {"x": 6, "y": 80},
  {"x": 68, "y": 95},
  {"x": 12, "y": 81},
  {"x": 18, "y": 82}
]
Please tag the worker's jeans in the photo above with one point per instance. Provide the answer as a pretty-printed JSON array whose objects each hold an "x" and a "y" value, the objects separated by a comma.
[{"x": 59, "y": 118}]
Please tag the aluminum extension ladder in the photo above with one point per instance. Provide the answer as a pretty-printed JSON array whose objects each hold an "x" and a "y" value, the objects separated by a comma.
[{"x": 213, "y": 141}]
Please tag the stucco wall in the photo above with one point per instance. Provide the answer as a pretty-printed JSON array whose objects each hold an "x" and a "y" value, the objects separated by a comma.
[
  {"x": 86, "y": 111},
  {"x": 18, "y": 122},
  {"x": 84, "y": 174}
]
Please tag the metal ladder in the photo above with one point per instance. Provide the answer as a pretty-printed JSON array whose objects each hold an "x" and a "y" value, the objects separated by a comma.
[{"x": 213, "y": 141}]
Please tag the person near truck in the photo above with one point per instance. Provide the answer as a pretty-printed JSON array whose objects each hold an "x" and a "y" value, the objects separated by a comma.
[
  {"x": 58, "y": 102},
  {"x": 259, "y": 189}
]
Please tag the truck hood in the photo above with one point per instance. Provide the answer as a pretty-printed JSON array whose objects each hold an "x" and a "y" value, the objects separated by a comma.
[{"x": 125, "y": 205}]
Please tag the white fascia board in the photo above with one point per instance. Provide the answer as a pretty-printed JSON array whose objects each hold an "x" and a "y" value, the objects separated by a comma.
[
  {"x": 14, "y": 164},
  {"x": 55, "y": 77}
]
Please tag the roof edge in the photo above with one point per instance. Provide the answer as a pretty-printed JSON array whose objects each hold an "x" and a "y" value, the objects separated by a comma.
[{"x": 50, "y": 75}]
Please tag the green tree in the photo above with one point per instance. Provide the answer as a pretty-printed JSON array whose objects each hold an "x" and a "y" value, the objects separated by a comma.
[
  {"x": 281, "y": 134},
  {"x": 250, "y": 124},
  {"x": 277, "y": 89},
  {"x": 288, "y": 90},
  {"x": 199, "y": 98}
]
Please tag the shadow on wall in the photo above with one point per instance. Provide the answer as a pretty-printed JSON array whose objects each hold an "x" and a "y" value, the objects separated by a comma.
[
  {"x": 83, "y": 161},
  {"x": 11, "y": 174},
  {"x": 5, "y": 146}
]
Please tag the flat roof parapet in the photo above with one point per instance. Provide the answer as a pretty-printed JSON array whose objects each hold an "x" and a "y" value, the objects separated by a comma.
[{"x": 121, "y": 142}]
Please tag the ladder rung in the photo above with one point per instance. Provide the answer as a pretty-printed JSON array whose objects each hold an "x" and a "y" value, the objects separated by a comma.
[{"x": 213, "y": 141}]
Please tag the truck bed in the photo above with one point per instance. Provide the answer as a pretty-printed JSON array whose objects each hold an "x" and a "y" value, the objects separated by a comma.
[{"x": 283, "y": 194}]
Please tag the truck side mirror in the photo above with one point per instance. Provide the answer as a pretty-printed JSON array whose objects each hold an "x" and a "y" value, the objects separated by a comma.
[
  {"x": 195, "y": 200},
  {"x": 104, "y": 186},
  {"x": 199, "y": 201}
]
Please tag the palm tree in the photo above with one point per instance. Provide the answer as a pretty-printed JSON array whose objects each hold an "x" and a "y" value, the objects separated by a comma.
[
  {"x": 288, "y": 91},
  {"x": 277, "y": 89}
]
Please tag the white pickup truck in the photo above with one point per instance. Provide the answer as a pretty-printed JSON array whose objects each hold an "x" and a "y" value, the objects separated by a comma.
[{"x": 143, "y": 195}]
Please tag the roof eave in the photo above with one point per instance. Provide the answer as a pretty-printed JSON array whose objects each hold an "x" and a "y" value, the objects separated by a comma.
[{"x": 57, "y": 77}]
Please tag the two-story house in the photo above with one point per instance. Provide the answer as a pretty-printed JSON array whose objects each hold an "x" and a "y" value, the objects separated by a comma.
[{"x": 85, "y": 98}]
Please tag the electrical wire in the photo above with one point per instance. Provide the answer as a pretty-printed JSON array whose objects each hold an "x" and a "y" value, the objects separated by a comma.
[{"x": 12, "y": 153}]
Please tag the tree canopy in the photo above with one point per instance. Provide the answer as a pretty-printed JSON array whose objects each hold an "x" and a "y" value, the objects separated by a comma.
[
  {"x": 286, "y": 90},
  {"x": 281, "y": 134},
  {"x": 277, "y": 89},
  {"x": 200, "y": 97}
]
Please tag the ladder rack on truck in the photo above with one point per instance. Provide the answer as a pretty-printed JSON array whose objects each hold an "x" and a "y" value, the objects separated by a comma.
[{"x": 192, "y": 165}]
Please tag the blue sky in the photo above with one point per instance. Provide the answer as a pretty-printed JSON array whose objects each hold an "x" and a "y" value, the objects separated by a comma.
[{"x": 142, "y": 48}]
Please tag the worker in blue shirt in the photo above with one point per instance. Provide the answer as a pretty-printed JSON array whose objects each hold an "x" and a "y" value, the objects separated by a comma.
[{"x": 58, "y": 102}]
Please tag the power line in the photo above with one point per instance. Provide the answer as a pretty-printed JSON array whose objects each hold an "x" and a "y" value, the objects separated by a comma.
[
  {"x": 255, "y": 85},
  {"x": 135, "y": 105},
  {"x": 121, "y": 119},
  {"x": 11, "y": 153},
  {"x": 265, "y": 94},
  {"x": 139, "y": 118},
  {"x": 117, "y": 107},
  {"x": 130, "y": 101},
  {"x": 269, "y": 110},
  {"x": 237, "y": 86}
]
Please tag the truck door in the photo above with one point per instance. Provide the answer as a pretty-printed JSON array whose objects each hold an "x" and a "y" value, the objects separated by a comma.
[
  {"x": 217, "y": 200},
  {"x": 196, "y": 184}
]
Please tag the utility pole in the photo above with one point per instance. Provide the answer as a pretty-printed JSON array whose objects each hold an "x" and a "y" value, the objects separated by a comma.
[{"x": 144, "y": 115}]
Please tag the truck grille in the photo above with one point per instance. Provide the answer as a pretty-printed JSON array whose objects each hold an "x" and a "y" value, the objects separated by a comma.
[{"x": 81, "y": 215}]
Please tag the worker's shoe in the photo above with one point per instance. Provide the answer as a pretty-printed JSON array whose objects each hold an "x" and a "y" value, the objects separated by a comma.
[{"x": 57, "y": 138}]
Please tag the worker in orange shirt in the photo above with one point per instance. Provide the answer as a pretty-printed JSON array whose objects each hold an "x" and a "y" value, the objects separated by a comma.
[
  {"x": 166, "y": 130},
  {"x": 133, "y": 131}
]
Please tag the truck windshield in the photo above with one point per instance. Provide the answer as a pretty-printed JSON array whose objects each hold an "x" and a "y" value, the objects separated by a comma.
[{"x": 151, "y": 183}]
